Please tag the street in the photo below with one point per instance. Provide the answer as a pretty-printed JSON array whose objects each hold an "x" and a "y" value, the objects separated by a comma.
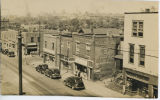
[{"x": 34, "y": 83}]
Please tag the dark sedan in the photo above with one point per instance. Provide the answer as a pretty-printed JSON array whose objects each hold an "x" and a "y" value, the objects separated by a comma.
[
  {"x": 5, "y": 51},
  {"x": 41, "y": 68},
  {"x": 53, "y": 73},
  {"x": 11, "y": 54},
  {"x": 74, "y": 82}
]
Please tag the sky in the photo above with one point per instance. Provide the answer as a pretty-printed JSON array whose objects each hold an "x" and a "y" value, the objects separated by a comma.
[{"x": 37, "y": 7}]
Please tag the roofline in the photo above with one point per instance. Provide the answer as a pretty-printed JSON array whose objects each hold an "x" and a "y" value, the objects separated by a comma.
[{"x": 141, "y": 12}]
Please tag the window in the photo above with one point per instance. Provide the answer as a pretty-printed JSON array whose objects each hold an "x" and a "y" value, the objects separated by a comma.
[
  {"x": 77, "y": 47},
  {"x": 38, "y": 38},
  {"x": 131, "y": 53},
  {"x": 52, "y": 46},
  {"x": 32, "y": 39},
  {"x": 141, "y": 55},
  {"x": 68, "y": 45},
  {"x": 137, "y": 29},
  {"x": 45, "y": 44},
  {"x": 88, "y": 48},
  {"x": 13, "y": 45}
]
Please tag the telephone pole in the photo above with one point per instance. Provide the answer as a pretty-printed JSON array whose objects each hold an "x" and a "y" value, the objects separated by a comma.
[
  {"x": 39, "y": 40},
  {"x": 60, "y": 51},
  {"x": 20, "y": 62}
]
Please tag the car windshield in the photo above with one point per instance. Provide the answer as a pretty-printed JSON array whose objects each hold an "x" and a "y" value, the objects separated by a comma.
[
  {"x": 56, "y": 71},
  {"x": 78, "y": 80}
]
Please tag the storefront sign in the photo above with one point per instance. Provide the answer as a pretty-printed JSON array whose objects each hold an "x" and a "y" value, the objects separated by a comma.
[{"x": 81, "y": 61}]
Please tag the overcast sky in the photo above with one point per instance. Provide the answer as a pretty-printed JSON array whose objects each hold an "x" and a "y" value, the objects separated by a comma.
[{"x": 36, "y": 7}]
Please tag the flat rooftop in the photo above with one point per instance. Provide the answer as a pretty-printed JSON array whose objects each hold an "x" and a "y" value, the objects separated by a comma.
[{"x": 141, "y": 13}]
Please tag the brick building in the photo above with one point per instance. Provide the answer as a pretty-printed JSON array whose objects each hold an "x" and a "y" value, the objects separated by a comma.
[
  {"x": 31, "y": 41},
  {"x": 9, "y": 40},
  {"x": 67, "y": 51},
  {"x": 94, "y": 54},
  {"x": 51, "y": 49}
]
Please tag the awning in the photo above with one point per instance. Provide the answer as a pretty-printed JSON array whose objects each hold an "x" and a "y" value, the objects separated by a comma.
[{"x": 119, "y": 57}]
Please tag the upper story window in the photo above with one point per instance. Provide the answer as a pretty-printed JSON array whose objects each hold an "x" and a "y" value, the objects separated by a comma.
[
  {"x": 88, "y": 48},
  {"x": 137, "y": 28},
  {"x": 77, "y": 47},
  {"x": 38, "y": 38},
  {"x": 32, "y": 39},
  {"x": 68, "y": 45},
  {"x": 45, "y": 44},
  {"x": 142, "y": 55},
  {"x": 131, "y": 53},
  {"x": 52, "y": 46}
]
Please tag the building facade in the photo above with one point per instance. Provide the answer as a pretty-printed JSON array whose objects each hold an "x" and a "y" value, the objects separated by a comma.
[
  {"x": 140, "y": 56},
  {"x": 9, "y": 40},
  {"x": 51, "y": 49},
  {"x": 31, "y": 42},
  {"x": 67, "y": 51},
  {"x": 94, "y": 55}
]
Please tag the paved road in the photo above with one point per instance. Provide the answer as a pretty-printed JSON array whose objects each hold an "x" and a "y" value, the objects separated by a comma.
[{"x": 34, "y": 83}]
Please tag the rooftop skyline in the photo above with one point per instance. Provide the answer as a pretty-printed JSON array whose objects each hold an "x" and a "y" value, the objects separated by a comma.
[{"x": 38, "y": 7}]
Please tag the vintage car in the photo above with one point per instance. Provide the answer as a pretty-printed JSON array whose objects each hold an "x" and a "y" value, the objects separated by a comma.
[
  {"x": 53, "y": 73},
  {"x": 5, "y": 51},
  {"x": 41, "y": 68},
  {"x": 10, "y": 54},
  {"x": 74, "y": 82}
]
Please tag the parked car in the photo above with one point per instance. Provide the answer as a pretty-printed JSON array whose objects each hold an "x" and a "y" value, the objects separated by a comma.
[
  {"x": 41, "y": 68},
  {"x": 11, "y": 54},
  {"x": 38, "y": 68},
  {"x": 5, "y": 51},
  {"x": 74, "y": 82},
  {"x": 53, "y": 73}
]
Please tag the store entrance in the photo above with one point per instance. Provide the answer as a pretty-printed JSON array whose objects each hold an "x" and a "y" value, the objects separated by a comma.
[{"x": 83, "y": 70}]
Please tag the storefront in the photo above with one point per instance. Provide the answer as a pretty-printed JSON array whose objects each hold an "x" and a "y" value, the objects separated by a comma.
[
  {"x": 48, "y": 58},
  {"x": 143, "y": 84},
  {"x": 30, "y": 48},
  {"x": 83, "y": 70}
]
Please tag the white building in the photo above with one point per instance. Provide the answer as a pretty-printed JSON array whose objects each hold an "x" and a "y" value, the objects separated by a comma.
[{"x": 140, "y": 55}]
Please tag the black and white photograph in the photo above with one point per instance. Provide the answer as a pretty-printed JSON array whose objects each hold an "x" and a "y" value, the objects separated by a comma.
[{"x": 79, "y": 48}]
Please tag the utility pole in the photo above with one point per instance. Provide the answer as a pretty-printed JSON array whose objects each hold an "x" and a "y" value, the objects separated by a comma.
[
  {"x": 94, "y": 52},
  {"x": 20, "y": 62},
  {"x": 60, "y": 52},
  {"x": 39, "y": 38}
]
